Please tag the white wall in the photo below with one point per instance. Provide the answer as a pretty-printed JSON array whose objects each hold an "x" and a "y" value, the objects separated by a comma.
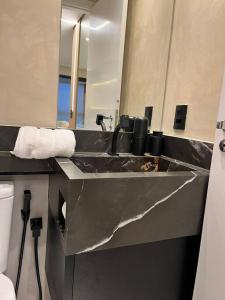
[{"x": 211, "y": 267}]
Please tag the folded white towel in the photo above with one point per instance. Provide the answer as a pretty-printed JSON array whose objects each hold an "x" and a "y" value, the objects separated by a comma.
[{"x": 44, "y": 143}]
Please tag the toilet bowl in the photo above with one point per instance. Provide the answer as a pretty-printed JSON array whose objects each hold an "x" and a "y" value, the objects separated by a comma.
[{"x": 7, "y": 291}]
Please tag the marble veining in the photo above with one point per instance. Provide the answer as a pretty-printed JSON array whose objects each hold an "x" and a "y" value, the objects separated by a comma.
[
  {"x": 100, "y": 141},
  {"x": 77, "y": 203},
  {"x": 190, "y": 151},
  {"x": 137, "y": 217},
  {"x": 201, "y": 148},
  {"x": 81, "y": 191},
  {"x": 108, "y": 164}
]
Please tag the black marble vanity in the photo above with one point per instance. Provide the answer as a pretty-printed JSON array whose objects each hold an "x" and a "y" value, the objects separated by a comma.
[
  {"x": 131, "y": 217},
  {"x": 133, "y": 224}
]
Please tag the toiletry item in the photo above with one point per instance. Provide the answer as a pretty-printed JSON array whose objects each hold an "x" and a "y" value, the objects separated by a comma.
[
  {"x": 139, "y": 136},
  {"x": 148, "y": 115},
  {"x": 131, "y": 125},
  {"x": 155, "y": 143},
  {"x": 148, "y": 143},
  {"x": 180, "y": 117}
]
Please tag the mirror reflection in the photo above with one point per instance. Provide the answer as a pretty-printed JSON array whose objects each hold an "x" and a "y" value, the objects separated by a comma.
[{"x": 99, "y": 77}]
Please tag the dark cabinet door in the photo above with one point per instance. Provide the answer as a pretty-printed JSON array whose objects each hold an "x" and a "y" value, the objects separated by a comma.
[{"x": 156, "y": 271}]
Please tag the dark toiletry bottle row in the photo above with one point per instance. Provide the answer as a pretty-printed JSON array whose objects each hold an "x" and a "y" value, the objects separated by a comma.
[
  {"x": 154, "y": 144},
  {"x": 143, "y": 140}
]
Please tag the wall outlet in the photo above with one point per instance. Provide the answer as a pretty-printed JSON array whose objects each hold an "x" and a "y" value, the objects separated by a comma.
[{"x": 180, "y": 117}]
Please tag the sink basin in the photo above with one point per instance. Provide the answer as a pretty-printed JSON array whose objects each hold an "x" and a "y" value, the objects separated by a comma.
[
  {"x": 108, "y": 164},
  {"x": 125, "y": 200},
  {"x": 99, "y": 203}
]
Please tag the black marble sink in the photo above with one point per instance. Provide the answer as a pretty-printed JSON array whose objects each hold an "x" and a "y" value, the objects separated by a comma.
[
  {"x": 109, "y": 164},
  {"x": 121, "y": 201}
]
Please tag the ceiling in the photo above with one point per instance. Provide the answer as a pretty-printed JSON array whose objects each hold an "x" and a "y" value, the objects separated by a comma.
[
  {"x": 70, "y": 17},
  {"x": 72, "y": 10},
  {"x": 81, "y": 4}
]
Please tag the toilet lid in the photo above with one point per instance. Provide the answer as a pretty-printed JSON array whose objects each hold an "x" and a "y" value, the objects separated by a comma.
[{"x": 7, "y": 291}]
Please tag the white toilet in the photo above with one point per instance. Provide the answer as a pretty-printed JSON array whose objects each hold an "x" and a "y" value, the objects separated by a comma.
[{"x": 7, "y": 291}]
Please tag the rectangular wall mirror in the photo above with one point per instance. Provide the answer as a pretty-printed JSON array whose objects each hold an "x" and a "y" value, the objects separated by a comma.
[
  {"x": 105, "y": 49},
  {"x": 116, "y": 57}
]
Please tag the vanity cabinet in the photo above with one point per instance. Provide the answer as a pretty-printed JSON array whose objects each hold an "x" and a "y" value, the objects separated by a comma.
[
  {"x": 162, "y": 270},
  {"x": 127, "y": 234}
]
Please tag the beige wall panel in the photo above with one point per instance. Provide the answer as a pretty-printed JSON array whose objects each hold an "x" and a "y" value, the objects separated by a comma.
[
  {"x": 196, "y": 66},
  {"x": 145, "y": 57},
  {"x": 29, "y": 56}
]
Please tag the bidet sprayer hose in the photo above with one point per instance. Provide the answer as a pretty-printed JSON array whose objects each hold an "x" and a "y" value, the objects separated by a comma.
[{"x": 25, "y": 214}]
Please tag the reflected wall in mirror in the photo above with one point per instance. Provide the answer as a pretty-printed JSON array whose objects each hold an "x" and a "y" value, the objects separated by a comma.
[
  {"x": 148, "y": 36},
  {"x": 91, "y": 62},
  {"x": 69, "y": 43},
  {"x": 167, "y": 43},
  {"x": 113, "y": 60}
]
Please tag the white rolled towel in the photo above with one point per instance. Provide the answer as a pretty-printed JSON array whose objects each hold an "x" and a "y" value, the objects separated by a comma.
[{"x": 44, "y": 143}]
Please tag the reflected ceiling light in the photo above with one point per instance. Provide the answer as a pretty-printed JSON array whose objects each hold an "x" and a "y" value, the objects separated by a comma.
[
  {"x": 71, "y": 22},
  {"x": 114, "y": 80},
  {"x": 99, "y": 27},
  {"x": 87, "y": 39}
]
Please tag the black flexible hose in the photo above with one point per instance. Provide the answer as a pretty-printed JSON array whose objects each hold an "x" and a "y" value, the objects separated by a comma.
[
  {"x": 21, "y": 255},
  {"x": 37, "y": 267},
  {"x": 25, "y": 214}
]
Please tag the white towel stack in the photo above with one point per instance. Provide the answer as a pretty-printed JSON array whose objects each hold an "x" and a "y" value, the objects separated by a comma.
[{"x": 44, "y": 143}]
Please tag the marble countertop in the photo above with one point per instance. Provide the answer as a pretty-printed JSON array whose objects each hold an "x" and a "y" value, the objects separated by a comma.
[
  {"x": 11, "y": 165},
  {"x": 72, "y": 171}
]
